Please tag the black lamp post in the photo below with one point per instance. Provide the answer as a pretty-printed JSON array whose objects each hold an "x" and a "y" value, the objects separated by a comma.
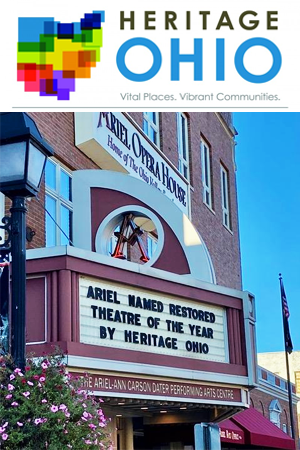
[{"x": 23, "y": 155}]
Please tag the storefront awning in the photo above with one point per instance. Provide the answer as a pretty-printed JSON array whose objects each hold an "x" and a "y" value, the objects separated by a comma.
[
  {"x": 231, "y": 432},
  {"x": 258, "y": 430}
]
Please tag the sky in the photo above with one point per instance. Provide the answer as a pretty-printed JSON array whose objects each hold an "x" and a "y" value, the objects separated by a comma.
[{"x": 268, "y": 179}]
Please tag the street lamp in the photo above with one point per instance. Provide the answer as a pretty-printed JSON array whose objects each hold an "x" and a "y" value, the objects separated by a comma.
[{"x": 23, "y": 155}]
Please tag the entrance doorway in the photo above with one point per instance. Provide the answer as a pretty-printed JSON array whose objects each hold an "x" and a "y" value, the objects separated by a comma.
[{"x": 165, "y": 437}]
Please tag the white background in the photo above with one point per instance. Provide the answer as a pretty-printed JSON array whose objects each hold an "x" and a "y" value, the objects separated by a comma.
[{"x": 104, "y": 88}]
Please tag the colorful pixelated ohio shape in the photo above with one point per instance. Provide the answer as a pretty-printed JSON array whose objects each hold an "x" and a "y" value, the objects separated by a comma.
[{"x": 51, "y": 55}]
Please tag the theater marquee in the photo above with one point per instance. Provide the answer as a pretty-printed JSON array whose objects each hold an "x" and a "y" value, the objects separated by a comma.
[{"x": 117, "y": 316}]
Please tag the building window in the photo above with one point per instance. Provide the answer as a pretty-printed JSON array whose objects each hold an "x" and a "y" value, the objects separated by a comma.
[
  {"x": 225, "y": 197},
  {"x": 151, "y": 126},
  {"x": 275, "y": 411},
  {"x": 183, "y": 145},
  {"x": 284, "y": 428},
  {"x": 151, "y": 245},
  {"x": 58, "y": 185},
  {"x": 206, "y": 174},
  {"x": 297, "y": 382}
]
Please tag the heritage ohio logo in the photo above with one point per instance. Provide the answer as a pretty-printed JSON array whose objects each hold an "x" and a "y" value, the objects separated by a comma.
[{"x": 51, "y": 55}]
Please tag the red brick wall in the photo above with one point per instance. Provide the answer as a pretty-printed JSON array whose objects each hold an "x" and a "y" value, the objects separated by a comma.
[
  {"x": 58, "y": 129},
  {"x": 261, "y": 401},
  {"x": 223, "y": 246}
]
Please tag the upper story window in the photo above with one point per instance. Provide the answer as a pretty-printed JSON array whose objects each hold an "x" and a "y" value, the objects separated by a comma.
[
  {"x": 151, "y": 126},
  {"x": 58, "y": 186},
  {"x": 183, "y": 145},
  {"x": 151, "y": 244},
  {"x": 225, "y": 197},
  {"x": 275, "y": 411},
  {"x": 206, "y": 174},
  {"x": 297, "y": 382}
]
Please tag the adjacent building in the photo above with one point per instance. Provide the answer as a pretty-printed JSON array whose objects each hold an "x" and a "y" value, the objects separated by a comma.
[
  {"x": 266, "y": 424},
  {"x": 275, "y": 362}
]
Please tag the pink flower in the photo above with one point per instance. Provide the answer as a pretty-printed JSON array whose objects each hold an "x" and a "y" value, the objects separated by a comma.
[
  {"x": 15, "y": 404},
  {"x": 44, "y": 365},
  {"x": 30, "y": 383},
  {"x": 84, "y": 405},
  {"x": 44, "y": 400},
  {"x": 63, "y": 407},
  {"x": 92, "y": 426},
  {"x": 38, "y": 421},
  {"x": 26, "y": 394},
  {"x": 10, "y": 387},
  {"x": 4, "y": 436},
  {"x": 12, "y": 377},
  {"x": 35, "y": 377},
  {"x": 85, "y": 414},
  {"x": 8, "y": 396},
  {"x": 88, "y": 442},
  {"x": 20, "y": 424},
  {"x": 5, "y": 425},
  {"x": 17, "y": 370},
  {"x": 67, "y": 414},
  {"x": 42, "y": 379},
  {"x": 54, "y": 408},
  {"x": 2, "y": 429}
]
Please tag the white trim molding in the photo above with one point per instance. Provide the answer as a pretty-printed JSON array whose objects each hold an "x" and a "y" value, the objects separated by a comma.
[{"x": 193, "y": 246}]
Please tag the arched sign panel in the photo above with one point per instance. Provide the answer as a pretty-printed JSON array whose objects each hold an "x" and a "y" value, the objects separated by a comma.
[
  {"x": 114, "y": 142},
  {"x": 101, "y": 197}
]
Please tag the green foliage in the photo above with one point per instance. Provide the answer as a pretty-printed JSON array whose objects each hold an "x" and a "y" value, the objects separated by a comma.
[{"x": 45, "y": 407}]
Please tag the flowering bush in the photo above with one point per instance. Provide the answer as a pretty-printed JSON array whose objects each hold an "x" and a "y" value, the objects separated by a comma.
[{"x": 44, "y": 407}]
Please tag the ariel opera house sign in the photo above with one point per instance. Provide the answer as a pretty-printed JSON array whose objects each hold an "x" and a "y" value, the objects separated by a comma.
[
  {"x": 114, "y": 143},
  {"x": 162, "y": 331}
]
